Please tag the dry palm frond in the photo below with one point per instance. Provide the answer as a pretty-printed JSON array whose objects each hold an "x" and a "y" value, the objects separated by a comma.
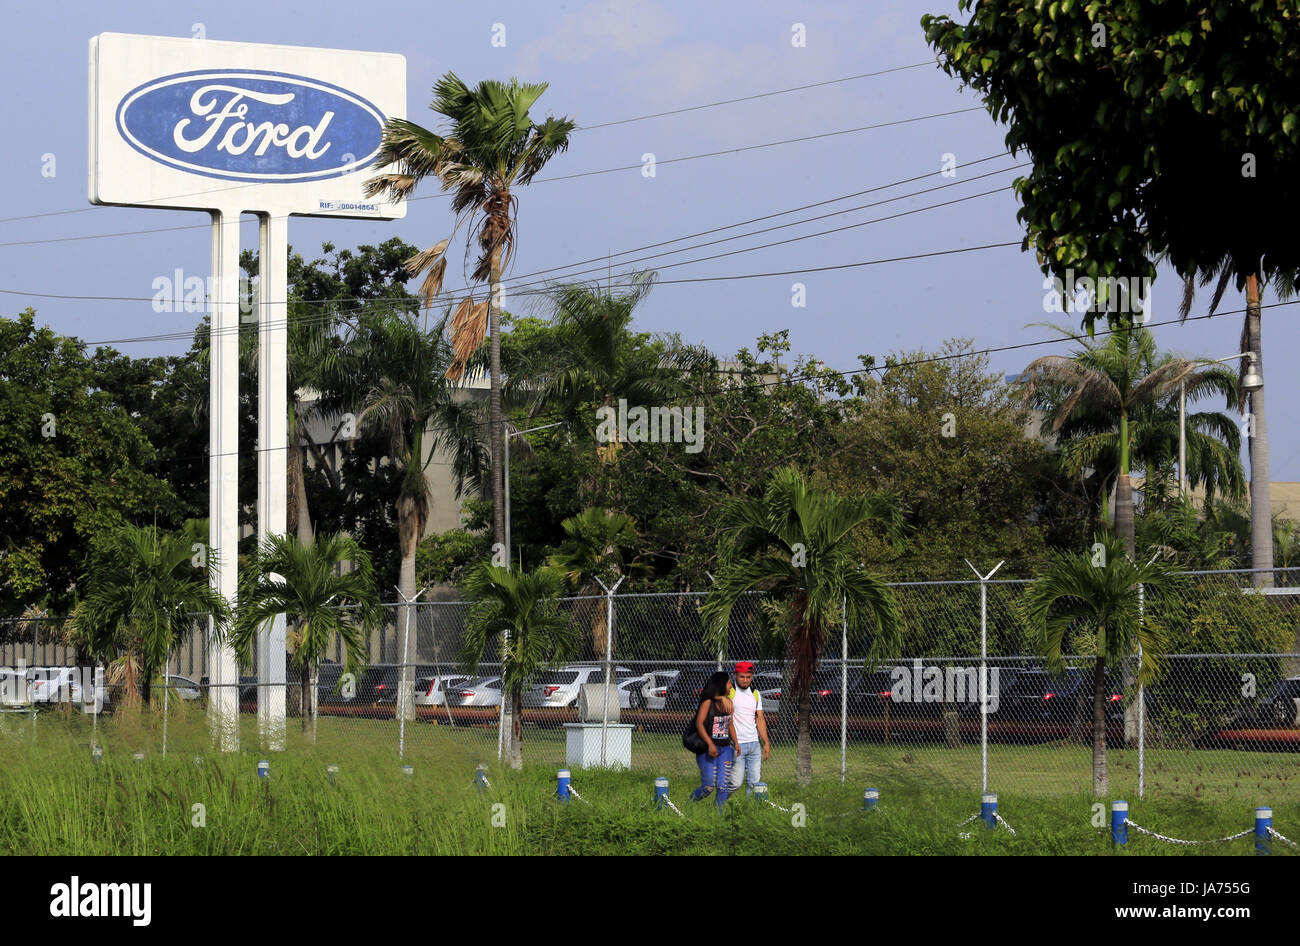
[
  {"x": 398, "y": 186},
  {"x": 468, "y": 327},
  {"x": 423, "y": 259},
  {"x": 432, "y": 284}
]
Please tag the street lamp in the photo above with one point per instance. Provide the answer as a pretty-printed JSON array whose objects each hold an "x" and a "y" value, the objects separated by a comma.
[{"x": 1250, "y": 383}]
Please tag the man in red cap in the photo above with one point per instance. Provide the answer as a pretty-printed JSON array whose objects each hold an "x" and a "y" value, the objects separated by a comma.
[{"x": 751, "y": 730}]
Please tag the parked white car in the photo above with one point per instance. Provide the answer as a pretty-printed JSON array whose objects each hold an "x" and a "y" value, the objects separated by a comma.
[
  {"x": 629, "y": 693},
  {"x": 485, "y": 691},
  {"x": 429, "y": 693},
  {"x": 47, "y": 686},
  {"x": 654, "y": 690},
  {"x": 560, "y": 688}
]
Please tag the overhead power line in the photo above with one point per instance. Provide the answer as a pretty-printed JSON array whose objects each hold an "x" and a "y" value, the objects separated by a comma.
[
  {"x": 750, "y": 98},
  {"x": 516, "y": 288},
  {"x": 623, "y": 121}
]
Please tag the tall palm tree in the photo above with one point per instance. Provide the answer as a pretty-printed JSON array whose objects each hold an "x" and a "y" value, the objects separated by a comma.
[
  {"x": 390, "y": 372},
  {"x": 142, "y": 593},
  {"x": 1106, "y": 400},
  {"x": 491, "y": 147},
  {"x": 304, "y": 582},
  {"x": 597, "y": 547},
  {"x": 1222, "y": 272},
  {"x": 520, "y": 608},
  {"x": 602, "y": 360},
  {"x": 1076, "y": 600},
  {"x": 795, "y": 544}
]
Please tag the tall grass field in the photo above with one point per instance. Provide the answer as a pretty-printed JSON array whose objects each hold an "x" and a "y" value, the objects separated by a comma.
[{"x": 55, "y": 799}]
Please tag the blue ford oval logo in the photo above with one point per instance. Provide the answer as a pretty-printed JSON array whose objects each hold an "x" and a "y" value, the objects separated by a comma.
[{"x": 251, "y": 125}]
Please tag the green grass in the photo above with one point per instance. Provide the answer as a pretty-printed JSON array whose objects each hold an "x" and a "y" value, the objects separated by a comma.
[{"x": 54, "y": 799}]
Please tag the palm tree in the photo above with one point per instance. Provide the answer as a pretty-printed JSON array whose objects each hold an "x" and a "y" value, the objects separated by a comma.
[
  {"x": 602, "y": 360},
  {"x": 1076, "y": 600},
  {"x": 304, "y": 582},
  {"x": 1109, "y": 402},
  {"x": 795, "y": 544},
  {"x": 521, "y": 608},
  {"x": 596, "y": 549},
  {"x": 392, "y": 373},
  {"x": 1223, "y": 271},
  {"x": 143, "y": 592},
  {"x": 491, "y": 147}
]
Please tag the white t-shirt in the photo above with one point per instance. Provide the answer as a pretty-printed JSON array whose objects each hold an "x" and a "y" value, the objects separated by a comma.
[{"x": 746, "y": 705}]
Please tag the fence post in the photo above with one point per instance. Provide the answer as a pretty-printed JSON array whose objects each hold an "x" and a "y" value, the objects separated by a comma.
[
  {"x": 609, "y": 666},
  {"x": 166, "y": 687},
  {"x": 984, "y": 675},
  {"x": 844, "y": 692},
  {"x": 405, "y": 694}
]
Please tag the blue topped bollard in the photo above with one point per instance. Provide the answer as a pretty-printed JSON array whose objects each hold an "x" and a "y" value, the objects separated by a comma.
[
  {"x": 760, "y": 791},
  {"x": 332, "y": 771},
  {"x": 408, "y": 770},
  {"x": 870, "y": 797},
  {"x": 989, "y": 810},
  {"x": 264, "y": 769},
  {"x": 97, "y": 754},
  {"x": 661, "y": 792},
  {"x": 480, "y": 778},
  {"x": 1119, "y": 823},
  {"x": 562, "y": 785},
  {"x": 1263, "y": 831}
]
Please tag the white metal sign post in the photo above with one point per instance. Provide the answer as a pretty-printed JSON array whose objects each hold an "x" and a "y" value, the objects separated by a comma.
[{"x": 227, "y": 128}]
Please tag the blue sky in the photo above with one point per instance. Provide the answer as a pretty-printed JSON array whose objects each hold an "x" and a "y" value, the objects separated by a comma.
[{"x": 607, "y": 61}]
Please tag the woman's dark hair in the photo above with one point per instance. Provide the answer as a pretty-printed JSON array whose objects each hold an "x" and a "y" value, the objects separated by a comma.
[{"x": 717, "y": 685}]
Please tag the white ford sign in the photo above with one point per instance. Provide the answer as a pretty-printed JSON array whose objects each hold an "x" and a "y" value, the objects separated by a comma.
[{"x": 205, "y": 124}]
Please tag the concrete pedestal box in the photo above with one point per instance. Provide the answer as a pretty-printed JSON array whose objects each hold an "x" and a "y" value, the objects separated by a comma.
[{"x": 582, "y": 745}]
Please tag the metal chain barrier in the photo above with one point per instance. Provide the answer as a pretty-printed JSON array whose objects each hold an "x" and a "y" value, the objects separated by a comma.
[
  {"x": 1163, "y": 837},
  {"x": 1278, "y": 834},
  {"x": 670, "y": 804},
  {"x": 1002, "y": 821},
  {"x": 574, "y": 792}
]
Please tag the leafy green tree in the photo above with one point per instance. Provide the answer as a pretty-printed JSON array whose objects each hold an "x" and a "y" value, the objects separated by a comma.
[
  {"x": 306, "y": 584},
  {"x": 519, "y": 608},
  {"x": 1182, "y": 98},
  {"x": 74, "y": 464},
  {"x": 491, "y": 148},
  {"x": 945, "y": 438},
  {"x": 143, "y": 589},
  {"x": 1190, "y": 117},
  {"x": 793, "y": 544},
  {"x": 1079, "y": 604}
]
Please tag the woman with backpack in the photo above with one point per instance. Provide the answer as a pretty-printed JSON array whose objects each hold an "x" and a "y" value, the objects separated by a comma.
[{"x": 712, "y": 738}]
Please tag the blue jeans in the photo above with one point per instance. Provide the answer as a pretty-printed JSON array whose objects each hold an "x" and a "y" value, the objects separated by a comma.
[
  {"x": 747, "y": 768},
  {"x": 714, "y": 773}
]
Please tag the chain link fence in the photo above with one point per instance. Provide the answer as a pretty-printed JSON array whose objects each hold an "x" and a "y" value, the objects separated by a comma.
[{"x": 1220, "y": 715}]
